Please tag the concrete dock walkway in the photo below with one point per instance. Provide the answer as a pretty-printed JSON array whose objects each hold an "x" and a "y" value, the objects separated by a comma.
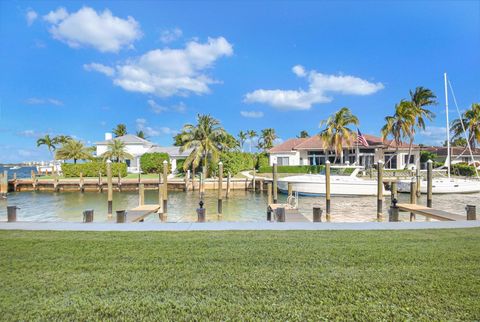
[{"x": 219, "y": 226}]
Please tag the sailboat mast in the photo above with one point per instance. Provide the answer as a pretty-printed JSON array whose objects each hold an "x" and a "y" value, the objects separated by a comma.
[{"x": 448, "y": 125}]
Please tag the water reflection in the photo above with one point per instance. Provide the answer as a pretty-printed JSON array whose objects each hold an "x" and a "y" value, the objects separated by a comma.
[{"x": 241, "y": 206}]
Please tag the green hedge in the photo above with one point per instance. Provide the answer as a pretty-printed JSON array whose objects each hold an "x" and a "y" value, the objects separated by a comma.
[
  {"x": 153, "y": 162},
  {"x": 262, "y": 160},
  {"x": 234, "y": 162},
  {"x": 462, "y": 169},
  {"x": 91, "y": 169}
]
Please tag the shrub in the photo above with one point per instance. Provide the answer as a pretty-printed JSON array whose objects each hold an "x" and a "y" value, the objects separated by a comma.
[
  {"x": 262, "y": 160},
  {"x": 153, "y": 162},
  {"x": 234, "y": 162},
  {"x": 462, "y": 169},
  {"x": 427, "y": 155},
  {"x": 92, "y": 169}
]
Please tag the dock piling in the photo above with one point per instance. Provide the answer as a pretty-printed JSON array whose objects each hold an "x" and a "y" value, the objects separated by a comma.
[
  {"x": 110, "y": 188},
  {"x": 393, "y": 213},
  {"x": 429, "y": 183},
  {"x": 88, "y": 216},
  {"x": 471, "y": 212},
  {"x": 327, "y": 190},
  {"x": 393, "y": 191},
  {"x": 280, "y": 214},
  {"x": 100, "y": 181},
  {"x": 253, "y": 180},
  {"x": 34, "y": 179},
  {"x": 121, "y": 216},
  {"x": 12, "y": 213},
  {"x": 81, "y": 183},
  {"x": 275, "y": 182},
  {"x": 269, "y": 193},
  {"x": 380, "y": 190},
  {"x": 290, "y": 189},
  {"x": 317, "y": 214},
  {"x": 419, "y": 179},
  {"x": 227, "y": 194},
  {"x": 165, "y": 189},
  {"x": 413, "y": 197},
  {"x": 141, "y": 194},
  {"x": 220, "y": 183},
  {"x": 201, "y": 212}
]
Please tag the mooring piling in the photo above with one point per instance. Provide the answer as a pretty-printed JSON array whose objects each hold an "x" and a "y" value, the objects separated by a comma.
[
  {"x": 413, "y": 197},
  {"x": 201, "y": 212},
  {"x": 317, "y": 214},
  {"x": 100, "y": 181},
  {"x": 12, "y": 213},
  {"x": 290, "y": 189},
  {"x": 88, "y": 215},
  {"x": 393, "y": 213},
  {"x": 379, "y": 190},
  {"x": 81, "y": 183},
  {"x": 227, "y": 194},
  {"x": 121, "y": 216},
  {"x": 165, "y": 189},
  {"x": 418, "y": 178},
  {"x": 429, "y": 183},
  {"x": 110, "y": 188},
  {"x": 393, "y": 191},
  {"x": 471, "y": 212},
  {"x": 327, "y": 190},
  {"x": 220, "y": 182},
  {"x": 269, "y": 193},
  {"x": 253, "y": 180},
  {"x": 141, "y": 194},
  {"x": 275, "y": 183}
]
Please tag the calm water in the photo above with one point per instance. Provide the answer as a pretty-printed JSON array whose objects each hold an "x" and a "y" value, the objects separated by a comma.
[{"x": 241, "y": 206}]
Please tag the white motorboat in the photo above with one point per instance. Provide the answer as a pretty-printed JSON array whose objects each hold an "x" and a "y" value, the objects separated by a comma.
[
  {"x": 443, "y": 185},
  {"x": 314, "y": 185},
  {"x": 15, "y": 167}
]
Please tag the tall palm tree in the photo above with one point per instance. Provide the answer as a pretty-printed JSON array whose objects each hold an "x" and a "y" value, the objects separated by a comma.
[
  {"x": 49, "y": 142},
  {"x": 73, "y": 150},
  {"x": 419, "y": 100},
  {"x": 242, "y": 137},
  {"x": 303, "y": 134},
  {"x": 206, "y": 139},
  {"x": 267, "y": 138},
  {"x": 336, "y": 130},
  {"x": 251, "y": 135},
  {"x": 116, "y": 151},
  {"x": 399, "y": 125},
  {"x": 471, "y": 121},
  {"x": 120, "y": 130}
]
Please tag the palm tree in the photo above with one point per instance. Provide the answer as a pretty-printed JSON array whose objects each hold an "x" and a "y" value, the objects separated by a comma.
[
  {"x": 471, "y": 121},
  {"x": 242, "y": 137},
  {"x": 120, "y": 130},
  {"x": 116, "y": 151},
  {"x": 61, "y": 139},
  {"x": 49, "y": 142},
  {"x": 419, "y": 99},
  {"x": 141, "y": 134},
  {"x": 303, "y": 134},
  {"x": 251, "y": 135},
  {"x": 206, "y": 139},
  {"x": 399, "y": 125},
  {"x": 73, "y": 150},
  {"x": 336, "y": 130},
  {"x": 267, "y": 138}
]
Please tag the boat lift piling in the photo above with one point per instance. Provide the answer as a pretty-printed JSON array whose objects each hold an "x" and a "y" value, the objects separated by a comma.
[
  {"x": 327, "y": 190},
  {"x": 379, "y": 190},
  {"x": 275, "y": 184},
  {"x": 220, "y": 188},
  {"x": 429, "y": 183},
  {"x": 110, "y": 189},
  {"x": 413, "y": 197}
]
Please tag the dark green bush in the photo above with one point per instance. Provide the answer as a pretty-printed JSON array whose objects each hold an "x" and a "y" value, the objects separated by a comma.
[
  {"x": 153, "y": 162},
  {"x": 462, "y": 169},
  {"x": 427, "y": 155},
  {"x": 234, "y": 162},
  {"x": 262, "y": 160},
  {"x": 92, "y": 169}
]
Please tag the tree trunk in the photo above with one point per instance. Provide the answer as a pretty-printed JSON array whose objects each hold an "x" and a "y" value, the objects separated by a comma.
[{"x": 409, "y": 152}]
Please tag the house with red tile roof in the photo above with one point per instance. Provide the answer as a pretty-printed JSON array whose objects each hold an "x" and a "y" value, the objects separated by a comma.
[{"x": 312, "y": 151}]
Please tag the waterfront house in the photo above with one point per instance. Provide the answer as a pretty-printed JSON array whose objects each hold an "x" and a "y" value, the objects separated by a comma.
[
  {"x": 458, "y": 154},
  {"x": 311, "y": 151},
  {"x": 137, "y": 147}
]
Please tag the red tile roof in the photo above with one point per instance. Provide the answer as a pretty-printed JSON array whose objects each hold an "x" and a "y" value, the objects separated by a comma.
[{"x": 315, "y": 143}]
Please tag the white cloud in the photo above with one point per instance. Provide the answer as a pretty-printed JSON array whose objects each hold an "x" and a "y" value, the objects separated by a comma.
[
  {"x": 106, "y": 70},
  {"x": 30, "y": 133},
  {"x": 86, "y": 27},
  {"x": 251, "y": 114},
  {"x": 43, "y": 101},
  {"x": 142, "y": 125},
  {"x": 319, "y": 85},
  {"x": 168, "y": 72},
  {"x": 158, "y": 109},
  {"x": 433, "y": 135},
  {"x": 168, "y": 36},
  {"x": 31, "y": 16}
]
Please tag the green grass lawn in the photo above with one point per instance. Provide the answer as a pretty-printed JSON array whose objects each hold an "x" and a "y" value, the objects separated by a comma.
[{"x": 372, "y": 275}]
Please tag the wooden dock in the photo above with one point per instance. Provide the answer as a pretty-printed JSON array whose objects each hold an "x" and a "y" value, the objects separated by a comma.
[
  {"x": 138, "y": 214},
  {"x": 430, "y": 212},
  {"x": 291, "y": 214}
]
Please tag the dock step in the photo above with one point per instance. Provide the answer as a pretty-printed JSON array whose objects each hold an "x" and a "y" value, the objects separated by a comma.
[
  {"x": 141, "y": 212},
  {"x": 430, "y": 212},
  {"x": 292, "y": 214}
]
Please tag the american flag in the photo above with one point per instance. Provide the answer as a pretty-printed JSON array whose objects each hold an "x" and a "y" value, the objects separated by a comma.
[{"x": 361, "y": 139}]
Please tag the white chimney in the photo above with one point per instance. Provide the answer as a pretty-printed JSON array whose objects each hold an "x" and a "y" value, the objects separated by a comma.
[{"x": 108, "y": 136}]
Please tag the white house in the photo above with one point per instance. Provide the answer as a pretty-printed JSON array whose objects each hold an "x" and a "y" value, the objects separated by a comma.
[
  {"x": 311, "y": 151},
  {"x": 137, "y": 147}
]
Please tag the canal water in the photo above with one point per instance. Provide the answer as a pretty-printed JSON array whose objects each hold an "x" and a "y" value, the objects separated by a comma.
[{"x": 241, "y": 206}]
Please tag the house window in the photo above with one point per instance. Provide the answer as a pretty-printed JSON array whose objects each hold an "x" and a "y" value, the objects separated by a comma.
[
  {"x": 390, "y": 161},
  {"x": 283, "y": 160},
  {"x": 316, "y": 158},
  {"x": 412, "y": 159}
]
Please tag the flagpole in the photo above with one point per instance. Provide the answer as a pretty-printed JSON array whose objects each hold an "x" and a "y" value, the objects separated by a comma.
[{"x": 357, "y": 152}]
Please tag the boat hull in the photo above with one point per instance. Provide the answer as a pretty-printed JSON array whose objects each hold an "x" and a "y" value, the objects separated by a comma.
[
  {"x": 314, "y": 185},
  {"x": 443, "y": 186}
]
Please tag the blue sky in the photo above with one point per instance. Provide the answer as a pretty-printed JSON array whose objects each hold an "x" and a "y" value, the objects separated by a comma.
[{"x": 80, "y": 68}]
